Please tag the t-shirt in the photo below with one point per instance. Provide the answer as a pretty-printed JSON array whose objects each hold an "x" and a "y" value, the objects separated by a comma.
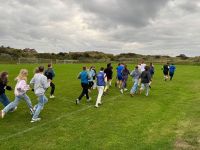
[
  {"x": 172, "y": 68},
  {"x": 108, "y": 72},
  {"x": 101, "y": 78},
  {"x": 143, "y": 67},
  {"x": 84, "y": 77},
  {"x": 119, "y": 70},
  {"x": 165, "y": 68}
]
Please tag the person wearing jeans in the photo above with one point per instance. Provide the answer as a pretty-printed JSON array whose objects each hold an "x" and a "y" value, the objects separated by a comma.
[
  {"x": 3, "y": 87},
  {"x": 101, "y": 82},
  {"x": 136, "y": 75},
  {"x": 20, "y": 92},
  {"x": 37, "y": 108},
  {"x": 40, "y": 86},
  {"x": 16, "y": 102}
]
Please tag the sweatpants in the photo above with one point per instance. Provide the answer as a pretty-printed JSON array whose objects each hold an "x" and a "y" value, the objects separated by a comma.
[
  {"x": 52, "y": 88},
  {"x": 100, "y": 93},
  {"x": 84, "y": 91}
]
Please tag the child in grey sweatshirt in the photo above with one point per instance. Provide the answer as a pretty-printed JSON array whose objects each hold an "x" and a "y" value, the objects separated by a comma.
[
  {"x": 136, "y": 75},
  {"x": 40, "y": 83}
]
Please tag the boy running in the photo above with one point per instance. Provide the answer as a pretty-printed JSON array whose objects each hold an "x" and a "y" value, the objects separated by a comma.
[
  {"x": 125, "y": 73},
  {"x": 145, "y": 80},
  {"x": 84, "y": 77},
  {"x": 166, "y": 71},
  {"x": 108, "y": 71},
  {"x": 50, "y": 74},
  {"x": 101, "y": 82},
  {"x": 172, "y": 69}
]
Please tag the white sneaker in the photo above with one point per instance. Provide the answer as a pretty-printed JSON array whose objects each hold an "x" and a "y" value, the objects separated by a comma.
[
  {"x": 96, "y": 106},
  {"x": 121, "y": 91},
  {"x": 35, "y": 120},
  {"x": 52, "y": 96},
  {"x": 2, "y": 114},
  {"x": 77, "y": 101},
  {"x": 88, "y": 100},
  {"x": 125, "y": 89}
]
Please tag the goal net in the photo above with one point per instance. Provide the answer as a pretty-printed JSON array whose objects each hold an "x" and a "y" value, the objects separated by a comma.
[
  {"x": 66, "y": 61},
  {"x": 34, "y": 61}
]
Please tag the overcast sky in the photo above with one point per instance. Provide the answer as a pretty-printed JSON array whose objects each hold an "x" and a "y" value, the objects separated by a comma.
[{"x": 168, "y": 27}]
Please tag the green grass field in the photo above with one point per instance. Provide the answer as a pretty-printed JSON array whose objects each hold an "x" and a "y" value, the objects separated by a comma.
[{"x": 168, "y": 119}]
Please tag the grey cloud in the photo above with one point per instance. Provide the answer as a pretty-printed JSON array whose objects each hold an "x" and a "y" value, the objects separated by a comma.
[
  {"x": 190, "y": 6},
  {"x": 135, "y": 13}
]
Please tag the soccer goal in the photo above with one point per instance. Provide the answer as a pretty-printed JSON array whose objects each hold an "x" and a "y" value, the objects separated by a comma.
[
  {"x": 34, "y": 60},
  {"x": 66, "y": 61}
]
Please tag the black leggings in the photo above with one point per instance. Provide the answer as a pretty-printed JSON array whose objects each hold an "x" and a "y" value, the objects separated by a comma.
[
  {"x": 84, "y": 91},
  {"x": 171, "y": 75},
  {"x": 52, "y": 88}
]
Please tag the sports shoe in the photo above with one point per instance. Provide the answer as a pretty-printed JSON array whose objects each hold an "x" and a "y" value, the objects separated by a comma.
[
  {"x": 77, "y": 101},
  {"x": 121, "y": 91},
  {"x": 52, "y": 96},
  {"x": 88, "y": 100},
  {"x": 96, "y": 106},
  {"x": 125, "y": 89},
  {"x": 2, "y": 114},
  {"x": 35, "y": 120}
]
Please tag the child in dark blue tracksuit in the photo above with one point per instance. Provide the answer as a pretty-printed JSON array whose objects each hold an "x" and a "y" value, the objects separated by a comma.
[
  {"x": 172, "y": 69},
  {"x": 50, "y": 74},
  {"x": 84, "y": 77}
]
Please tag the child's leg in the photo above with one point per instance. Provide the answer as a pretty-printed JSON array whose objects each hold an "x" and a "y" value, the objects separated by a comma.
[
  {"x": 12, "y": 104},
  {"x": 52, "y": 88},
  {"x": 100, "y": 93},
  {"x": 4, "y": 100},
  {"x": 142, "y": 88},
  {"x": 42, "y": 101},
  {"x": 28, "y": 101},
  {"x": 147, "y": 89}
]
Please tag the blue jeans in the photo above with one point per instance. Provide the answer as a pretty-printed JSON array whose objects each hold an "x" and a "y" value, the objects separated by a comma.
[
  {"x": 42, "y": 100},
  {"x": 4, "y": 99},
  {"x": 135, "y": 86},
  {"x": 16, "y": 102}
]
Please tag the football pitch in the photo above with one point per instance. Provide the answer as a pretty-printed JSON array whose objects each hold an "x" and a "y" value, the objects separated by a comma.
[{"x": 169, "y": 118}]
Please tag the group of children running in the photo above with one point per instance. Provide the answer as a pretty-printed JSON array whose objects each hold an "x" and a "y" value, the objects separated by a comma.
[
  {"x": 142, "y": 76},
  {"x": 41, "y": 81},
  {"x": 90, "y": 79}
]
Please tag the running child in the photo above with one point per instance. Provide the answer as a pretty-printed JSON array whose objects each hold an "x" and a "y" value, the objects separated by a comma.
[
  {"x": 136, "y": 76},
  {"x": 84, "y": 77},
  {"x": 20, "y": 93},
  {"x": 3, "y": 86},
  {"x": 166, "y": 71},
  {"x": 108, "y": 71},
  {"x": 92, "y": 75},
  {"x": 50, "y": 74},
  {"x": 125, "y": 73},
  {"x": 41, "y": 84},
  {"x": 145, "y": 80},
  {"x": 101, "y": 82},
  {"x": 172, "y": 69},
  {"x": 119, "y": 75}
]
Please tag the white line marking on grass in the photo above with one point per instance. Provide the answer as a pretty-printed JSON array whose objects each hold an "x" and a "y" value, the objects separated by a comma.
[{"x": 57, "y": 119}]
